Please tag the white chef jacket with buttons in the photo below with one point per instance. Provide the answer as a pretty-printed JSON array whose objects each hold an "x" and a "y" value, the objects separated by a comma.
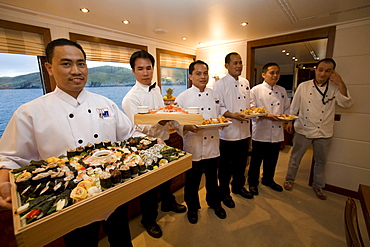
[
  {"x": 139, "y": 95},
  {"x": 235, "y": 96},
  {"x": 53, "y": 123},
  {"x": 275, "y": 100},
  {"x": 205, "y": 143},
  {"x": 316, "y": 119}
]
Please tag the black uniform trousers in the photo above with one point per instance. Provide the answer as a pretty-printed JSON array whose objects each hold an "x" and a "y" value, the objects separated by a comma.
[
  {"x": 233, "y": 162},
  {"x": 116, "y": 227},
  {"x": 149, "y": 202},
  {"x": 192, "y": 182},
  {"x": 268, "y": 153}
]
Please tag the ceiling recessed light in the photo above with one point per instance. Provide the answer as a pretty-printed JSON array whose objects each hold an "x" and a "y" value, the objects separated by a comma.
[
  {"x": 283, "y": 50},
  {"x": 159, "y": 31},
  {"x": 126, "y": 22},
  {"x": 84, "y": 10},
  {"x": 244, "y": 23},
  {"x": 184, "y": 38},
  {"x": 296, "y": 59},
  {"x": 293, "y": 57},
  {"x": 287, "y": 53}
]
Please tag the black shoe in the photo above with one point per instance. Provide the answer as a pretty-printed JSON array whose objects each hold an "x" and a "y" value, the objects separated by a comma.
[
  {"x": 253, "y": 190},
  {"x": 220, "y": 212},
  {"x": 229, "y": 202},
  {"x": 244, "y": 193},
  {"x": 274, "y": 186},
  {"x": 153, "y": 230},
  {"x": 175, "y": 207},
  {"x": 193, "y": 216}
]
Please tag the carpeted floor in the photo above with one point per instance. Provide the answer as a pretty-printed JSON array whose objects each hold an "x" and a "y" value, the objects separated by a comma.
[{"x": 271, "y": 219}]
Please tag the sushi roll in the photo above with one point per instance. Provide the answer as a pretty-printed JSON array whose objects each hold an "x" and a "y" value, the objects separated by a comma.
[
  {"x": 23, "y": 180},
  {"x": 107, "y": 143},
  {"x": 105, "y": 181},
  {"x": 71, "y": 153},
  {"x": 134, "y": 169},
  {"x": 115, "y": 176},
  {"x": 98, "y": 145},
  {"x": 125, "y": 173}
]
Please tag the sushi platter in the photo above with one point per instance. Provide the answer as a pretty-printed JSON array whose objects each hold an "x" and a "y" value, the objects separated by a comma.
[
  {"x": 170, "y": 112},
  {"x": 101, "y": 171}
]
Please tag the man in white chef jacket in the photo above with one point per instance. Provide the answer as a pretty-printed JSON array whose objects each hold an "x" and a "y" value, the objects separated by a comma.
[
  {"x": 202, "y": 143},
  {"x": 267, "y": 131},
  {"x": 314, "y": 103},
  {"x": 144, "y": 93},
  {"x": 234, "y": 92},
  {"x": 66, "y": 118}
]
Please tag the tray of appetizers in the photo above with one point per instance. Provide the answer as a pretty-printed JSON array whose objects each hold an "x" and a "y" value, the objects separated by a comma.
[
  {"x": 214, "y": 123},
  {"x": 287, "y": 117},
  {"x": 256, "y": 112},
  {"x": 54, "y": 196}
]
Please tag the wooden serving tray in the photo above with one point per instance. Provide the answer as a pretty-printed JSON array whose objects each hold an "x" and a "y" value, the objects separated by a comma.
[
  {"x": 53, "y": 226},
  {"x": 181, "y": 118}
]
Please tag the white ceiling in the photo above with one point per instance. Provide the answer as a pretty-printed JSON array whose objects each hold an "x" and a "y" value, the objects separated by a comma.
[{"x": 208, "y": 21}]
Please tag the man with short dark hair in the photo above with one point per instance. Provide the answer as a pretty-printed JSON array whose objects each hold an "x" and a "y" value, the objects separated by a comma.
[
  {"x": 66, "y": 118},
  {"x": 314, "y": 103},
  {"x": 234, "y": 92},
  {"x": 144, "y": 93},
  {"x": 202, "y": 143},
  {"x": 267, "y": 131}
]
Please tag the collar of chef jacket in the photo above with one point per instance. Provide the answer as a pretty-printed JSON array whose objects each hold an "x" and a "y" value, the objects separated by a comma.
[
  {"x": 69, "y": 99},
  {"x": 143, "y": 87}
]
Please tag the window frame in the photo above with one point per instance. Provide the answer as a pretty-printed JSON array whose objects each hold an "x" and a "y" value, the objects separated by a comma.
[
  {"x": 46, "y": 34},
  {"x": 158, "y": 56}
]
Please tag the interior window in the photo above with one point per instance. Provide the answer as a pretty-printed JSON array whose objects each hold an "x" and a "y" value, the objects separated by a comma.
[
  {"x": 20, "y": 82},
  {"x": 112, "y": 80},
  {"x": 174, "y": 78}
]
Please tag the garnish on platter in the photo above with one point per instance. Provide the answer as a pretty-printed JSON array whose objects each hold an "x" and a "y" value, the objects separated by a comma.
[
  {"x": 169, "y": 98},
  {"x": 168, "y": 109}
]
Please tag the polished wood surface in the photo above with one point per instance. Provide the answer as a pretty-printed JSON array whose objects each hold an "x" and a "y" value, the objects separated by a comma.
[{"x": 364, "y": 194}]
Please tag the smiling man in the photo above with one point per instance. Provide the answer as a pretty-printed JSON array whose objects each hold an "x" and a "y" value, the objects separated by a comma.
[
  {"x": 68, "y": 117},
  {"x": 314, "y": 102},
  {"x": 234, "y": 92},
  {"x": 203, "y": 144},
  {"x": 267, "y": 132}
]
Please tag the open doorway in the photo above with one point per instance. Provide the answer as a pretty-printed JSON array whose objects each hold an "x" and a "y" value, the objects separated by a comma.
[{"x": 287, "y": 40}]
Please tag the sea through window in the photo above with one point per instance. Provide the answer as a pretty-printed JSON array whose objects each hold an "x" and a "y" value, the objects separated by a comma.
[{"x": 20, "y": 82}]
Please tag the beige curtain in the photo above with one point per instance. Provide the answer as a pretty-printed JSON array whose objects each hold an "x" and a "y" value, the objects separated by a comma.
[
  {"x": 175, "y": 61},
  {"x": 21, "y": 42},
  {"x": 106, "y": 53}
]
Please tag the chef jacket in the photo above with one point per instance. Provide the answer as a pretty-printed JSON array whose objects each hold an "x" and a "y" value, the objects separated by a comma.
[
  {"x": 140, "y": 95},
  {"x": 316, "y": 109},
  {"x": 275, "y": 100},
  {"x": 53, "y": 123},
  {"x": 205, "y": 143},
  {"x": 235, "y": 96}
]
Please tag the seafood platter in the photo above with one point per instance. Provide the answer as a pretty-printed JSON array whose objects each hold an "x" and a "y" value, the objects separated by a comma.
[
  {"x": 169, "y": 112},
  {"x": 54, "y": 196}
]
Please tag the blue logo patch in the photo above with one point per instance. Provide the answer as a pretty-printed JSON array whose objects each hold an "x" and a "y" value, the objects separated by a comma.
[{"x": 103, "y": 112}]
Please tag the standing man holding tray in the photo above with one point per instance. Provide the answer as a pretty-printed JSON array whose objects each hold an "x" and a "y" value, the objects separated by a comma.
[
  {"x": 66, "y": 118},
  {"x": 144, "y": 93},
  {"x": 203, "y": 144},
  {"x": 267, "y": 132},
  {"x": 234, "y": 92},
  {"x": 314, "y": 102}
]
